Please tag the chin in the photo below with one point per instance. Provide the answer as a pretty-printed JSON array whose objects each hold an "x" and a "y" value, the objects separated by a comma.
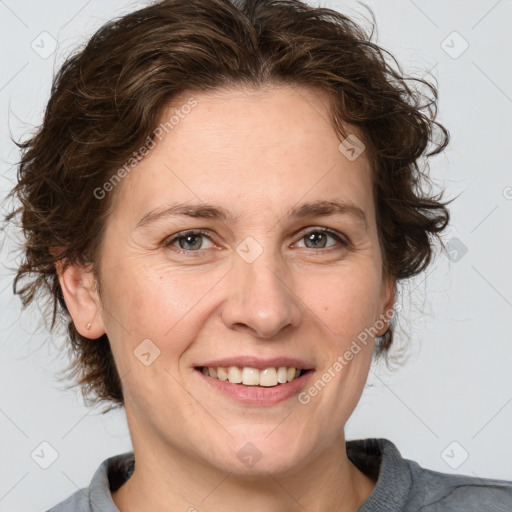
[{"x": 255, "y": 456}]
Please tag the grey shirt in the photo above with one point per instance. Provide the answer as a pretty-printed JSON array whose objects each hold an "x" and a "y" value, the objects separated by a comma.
[{"x": 402, "y": 485}]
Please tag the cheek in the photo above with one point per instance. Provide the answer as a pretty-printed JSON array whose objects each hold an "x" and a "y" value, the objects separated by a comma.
[
  {"x": 151, "y": 300},
  {"x": 148, "y": 302},
  {"x": 346, "y": 300}
]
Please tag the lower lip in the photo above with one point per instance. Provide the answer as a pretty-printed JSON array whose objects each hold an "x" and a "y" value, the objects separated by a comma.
[{"x": 257, "y": 395}]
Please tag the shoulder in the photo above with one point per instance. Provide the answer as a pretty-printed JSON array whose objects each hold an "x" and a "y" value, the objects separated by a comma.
[
  {"x": 435, "y": 492},
  {"x": 77, "y": 502},
  {"x": 403, "y": 485},
  {"x": 109, "y": 476}
]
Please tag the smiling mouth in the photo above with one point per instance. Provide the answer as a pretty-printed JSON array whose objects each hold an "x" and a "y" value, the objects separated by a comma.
[{"x": 247, "y": 376}]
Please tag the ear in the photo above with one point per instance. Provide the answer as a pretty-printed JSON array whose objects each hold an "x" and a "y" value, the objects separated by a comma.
[
  {"x": 79, "y": 288},
  {"x": 387, "y": 302}
]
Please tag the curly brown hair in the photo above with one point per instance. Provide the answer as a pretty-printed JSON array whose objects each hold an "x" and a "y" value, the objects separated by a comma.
[{"x": 107, "y": 98}]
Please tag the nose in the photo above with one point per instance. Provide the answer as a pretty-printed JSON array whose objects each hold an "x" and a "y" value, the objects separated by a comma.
[{"x": 261, "y": 301}]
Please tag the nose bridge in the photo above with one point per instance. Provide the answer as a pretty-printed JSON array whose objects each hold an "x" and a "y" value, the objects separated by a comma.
[{"x": 261, "y": 297}]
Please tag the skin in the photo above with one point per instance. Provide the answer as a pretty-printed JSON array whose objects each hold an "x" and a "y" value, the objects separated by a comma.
[{"x": 256, "y": 153}]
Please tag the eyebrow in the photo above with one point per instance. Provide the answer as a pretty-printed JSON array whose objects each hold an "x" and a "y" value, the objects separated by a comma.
[{"x": 320, "y": 208}]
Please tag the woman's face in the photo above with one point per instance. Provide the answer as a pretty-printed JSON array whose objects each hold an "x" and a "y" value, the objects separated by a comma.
[{"x": 264, "y": 281}]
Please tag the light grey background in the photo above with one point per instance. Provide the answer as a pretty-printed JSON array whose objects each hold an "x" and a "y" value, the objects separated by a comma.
[{"x": 453, "y": 397}]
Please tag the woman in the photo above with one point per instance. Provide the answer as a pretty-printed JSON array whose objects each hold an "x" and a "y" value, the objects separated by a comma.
[{"x": 221, "y": 200}]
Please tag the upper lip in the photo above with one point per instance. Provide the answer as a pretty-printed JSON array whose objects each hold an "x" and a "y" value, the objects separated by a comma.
[{"x": 256, "y": 362}]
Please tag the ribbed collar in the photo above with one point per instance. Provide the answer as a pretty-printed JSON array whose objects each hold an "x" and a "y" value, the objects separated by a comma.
[{"x": 379, "y": 458}]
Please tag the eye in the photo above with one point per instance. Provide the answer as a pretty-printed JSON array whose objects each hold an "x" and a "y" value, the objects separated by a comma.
[
  {"x": 192, "y": 241},
  {"x": 188, "y": 241},
  {"x": 317, "y": 237}
]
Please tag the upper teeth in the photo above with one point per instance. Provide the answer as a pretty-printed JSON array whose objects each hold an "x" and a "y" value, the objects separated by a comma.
[{"x": 253, "y": 376}]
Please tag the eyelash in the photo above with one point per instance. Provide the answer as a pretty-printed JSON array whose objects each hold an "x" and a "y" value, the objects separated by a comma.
[{"x": 169, "y": 241}]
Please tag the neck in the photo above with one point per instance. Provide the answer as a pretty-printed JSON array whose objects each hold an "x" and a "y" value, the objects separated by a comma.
[{"x": 330, "y": 481}]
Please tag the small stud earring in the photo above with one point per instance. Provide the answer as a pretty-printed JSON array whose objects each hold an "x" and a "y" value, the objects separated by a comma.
[{"x": 88, "y": 326}]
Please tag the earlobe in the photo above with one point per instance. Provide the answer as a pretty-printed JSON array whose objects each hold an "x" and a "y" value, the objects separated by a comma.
[
  {"x": 388, "y": 303},
  {"x": 79, "y": 288},
  {"x": 389, "y": 306}
]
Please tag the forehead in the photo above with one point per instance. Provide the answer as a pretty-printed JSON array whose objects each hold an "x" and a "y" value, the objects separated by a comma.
[{"x": 237, "y": 147}]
